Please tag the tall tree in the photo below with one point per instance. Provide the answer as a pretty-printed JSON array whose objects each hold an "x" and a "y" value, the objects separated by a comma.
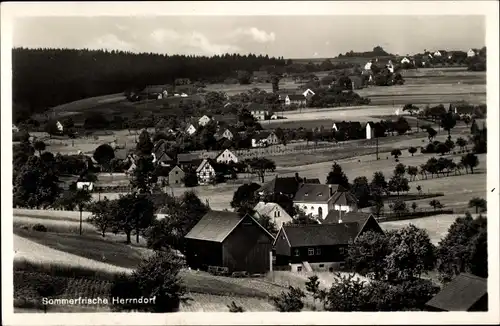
[
  {"x": 261, "y": 166},
  {"x": 103, "y": 154},
  {"x": 478, "y": 204},
  {"x": 144, "y": 175},
  {"x": 471, "y": 161},
  {"x": 378, "y": 183},
  {"x": 81, "y": 198},
  {"x": 144, "y": 145},
  {"x": 367, "y": 254},
  {"x": 245, "y": 196},
  {"x": 361, "y": 190},
  {"x": 337, "y": 176},
  {"x": 101, "y": 216},
  {"x": 448, "y": 122}
]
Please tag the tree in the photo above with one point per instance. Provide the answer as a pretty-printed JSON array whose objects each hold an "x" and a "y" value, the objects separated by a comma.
[
  {"x": 301, "y": 218},
  {"x": 450, "y": 144},
  {"x": 367, "y": 253},
  {"x": 412, "y": 150},
  {"x": 101, "y": 216},
  {"x": 267, "y": 223},
  {"x": 411, "y": 108},
  {"x": 411, "y": 256},
  {"x": 245, "y": 195},
  {"x": 190, "y": 178},
  {"x": 262, "y": 165},
  {"x": 103, "y": 154},
  {"x": 464, "y": 248},
  {"x": 132, "y": 212},
  {"x": 36, "y": 184},
  {"x": 448, "y": 122},
  {"x": 312, "y": 286},
  {"x": 144, "y": 175},
  {"x": 396, "y": 153},
  {"x": 461, "y": 143},
  {"x": 414, "y": 206},
  {"x": 399, "y": 207},
  {"x": 144, "y": 145},
  {"x": 275, "y": 79},
  {"x": 290, "y": 301},
  {"x": 412, "y": 172},
  {"x": 233, "y": 307},
  {"x": 81, "y": 198},
  {"x": 378, "y": 205},
  {"x": 442, "y": 148},
  {"x": 435, "y": 204},
  {"x": 39, "y": 146},
  {"x": 471, "y": 161},
  {"x": 336, "y": 176},
  {"x": 398, "y": 184},
  {"x": 401, "y": 126},
  {"x": 158, "y": 277},
  {"x": 431, "y": 133},
  {"x": 400, "y": 169},
  {"x": 478, "y": 203},
  {"x": 378, "y": 184},
  {"x": 361, "y": 190},
  {"x": 347, "y": 294}
]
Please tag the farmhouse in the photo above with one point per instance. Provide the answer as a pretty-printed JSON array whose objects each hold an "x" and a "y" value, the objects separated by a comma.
[
  {"x": 308, "y": 93},
  {"x": 315, "y": 247},
  {"x": 363, "y": 219},
  {"x": 370, "y": 130},
  {"x": 368, "y": 65},
  {"x": 160, "y": 155},
  {"x": 277, "y": 214},
  {"x": 204, "y": 120},
  {"x": 208, "y": 170},
  {"x": 265, "y": 138},
  {"x": 287, "y": 186},
  {"x": 405, "y": 60},
  {"x": 319, "y": 199},
  {"x": 295, "y": 99},
  {"x": 226, "y": 156},
  {"x": 472, "y": 52},
  {"x": 466, "y": 292},
  {"x": 350, "y": 129},
  {"x": 191, "y": 129},
  {"x": 188, "y": 160},
  {"x": 227, "y": 134},
  {"x": 230, "y": 241},
  {"x": 175, "y": 176},
  {"x": 437, "y": 53}
]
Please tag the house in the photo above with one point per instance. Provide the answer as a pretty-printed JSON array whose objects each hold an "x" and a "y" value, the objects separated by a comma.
[
  {"x": 188, "y": 160},
  {"x": 260, "y": 114},
  {"x": 308, "y": 93},
  {"x": 59, "y": 126},
  {"x": 204, "y": 120},
  {"x": 318, "y": 200},
  {"x": 370, "y": 130},
  {"x": 350, "y": 129},
  {"x": 466, "y": 292},
  {"x": 184, "y": 95},
  {"x": 160, "y": 155},
  {"x": 368, "y": 65},
  {"x": 315, "y": 247},
  {"x": 208, "y": 170},
  {"x": 176, "y": 176},
  {"x": 437, "y": 54},
  {"x": 191, "y": 129},
  {"x": 231, "y": 241},
  {"x": 471, "y": 53},
  {"x": 296, "y": 99},
  {"x": 265, "y": 138},
  {"x": 157, "y": 92},
  {"x": 277, "y": 214},
  {"x": 284, "y": 186},
  {"x": 363, "y": 219},
  {"x": 85, "y": 185},
  {"x": 15, "y": 128},
  {"x": 405, "y": 60},
  {"x": 227, "y": 133},
  {"x": 226, "y": 156}
]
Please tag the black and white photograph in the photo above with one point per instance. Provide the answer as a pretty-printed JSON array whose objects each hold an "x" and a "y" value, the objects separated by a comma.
[{"x": 267, "y": 157}]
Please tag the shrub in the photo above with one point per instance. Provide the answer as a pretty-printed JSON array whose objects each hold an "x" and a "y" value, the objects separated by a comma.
[{"x": 39, "y": 228}]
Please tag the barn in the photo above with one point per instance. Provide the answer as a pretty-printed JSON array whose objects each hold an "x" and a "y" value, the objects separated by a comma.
[{"x": 227, "y": 239}]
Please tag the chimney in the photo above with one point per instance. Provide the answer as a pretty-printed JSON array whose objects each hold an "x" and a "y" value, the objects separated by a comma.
[
  {"x": 297, "y": 178},
  {"x": 331, "y": 190},
  {"x": 340, "y": 216}
]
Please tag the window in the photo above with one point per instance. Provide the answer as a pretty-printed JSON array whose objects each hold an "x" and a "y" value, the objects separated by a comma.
[
  {"x": 310, "y": 251},
  {"x": 341, "y": 250},
  {"x": 320, "y": 212},
  {"x": 318, "y": 251},
  {"x": 297, "y": 252},
  {"x": 275, "y": 214},
  {"x": 321, "y": 265},
  {"x": 176, "y": 172},
  {"x": 279, "y": 213},
  {"x": 299, "y": 268}
]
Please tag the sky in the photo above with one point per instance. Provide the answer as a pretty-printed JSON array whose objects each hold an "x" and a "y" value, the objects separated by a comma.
[{"x": 287, "y": 36}]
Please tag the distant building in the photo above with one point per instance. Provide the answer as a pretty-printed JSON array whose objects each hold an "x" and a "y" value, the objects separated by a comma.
[
  {"x": 370, "y": 130},
  {"x": 265, "y": 138},
  {"x": 368, "y": 65},
  {"x": 229, "y": 241},
  {"x": 466, "y": 292},
  {"x": 204, "y": 120},
  {"x": 260, "y": 114},
  {"x": 295, "y": 99},
  {"x": 274, "y": 211},
  {"x": 226, "y": 156},
  {"x": 59, "y": 126},
  {"x": 472, "y": 53},
  {"x": 157, "y": 92},
  {"x": 437, "y": 54},
  {"x": 176, "y": 176},
  {"x": 208, "y": 170},
  {"x": 191, "y": 129},
  {"x": 405, "y": 60},
  {"x": 284, "y": 186},
  {"x": 308, "y": 92}
]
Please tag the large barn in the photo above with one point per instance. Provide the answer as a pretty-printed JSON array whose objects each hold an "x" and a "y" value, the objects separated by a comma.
[{"x": 226, "y": 239}]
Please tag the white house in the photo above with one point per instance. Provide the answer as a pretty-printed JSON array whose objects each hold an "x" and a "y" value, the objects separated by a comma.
[
  {"x": 370, "y": 130},
  {"x": 265, "y": 138},
  {"x": 471, "y": 53},
  {"x": 227, "y": 134},
  {"x": 207, "y": 170},
  {"x": 204, "y": 120},
  {"x": 297, "y": 99},
  {"x": 319, "y": 199},
  {"x": 368, "y": 65},
  {"x": 277, "y": 214},
  {"x": 308, "y": 92},
  {"x": 405, "y": 60},
  {"x": 226, "y": 156},
  {"x": 437, "y": 54},
  {"x": 86, "y": 185},
  {"x": 59, "y": 126},
  {"x": 259, "y": 114},
  {"x": 190, "y": 130}
]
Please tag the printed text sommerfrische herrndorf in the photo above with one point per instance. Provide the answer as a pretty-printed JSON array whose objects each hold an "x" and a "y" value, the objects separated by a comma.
[{"x": 97, "y": 301}]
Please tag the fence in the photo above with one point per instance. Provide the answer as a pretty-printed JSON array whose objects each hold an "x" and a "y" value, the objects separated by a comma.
[{"x": 418, "y": 214}]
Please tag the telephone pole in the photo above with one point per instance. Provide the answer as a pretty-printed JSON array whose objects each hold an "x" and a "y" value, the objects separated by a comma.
[{"x": 376, "y": 147}]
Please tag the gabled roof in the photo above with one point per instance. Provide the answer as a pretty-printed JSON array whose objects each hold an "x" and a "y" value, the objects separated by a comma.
[
  {"x": 350, "y": 217},
  {"x": 344, "y": 198},
  {"x": 226, "y": 150},
  {"x": 265, "y": 208},
  {"x": 286, "y": 185},
  {"x": 297, "y": 97},
  {"x": 176, "y": 167},
  {"x": 153, "y": 89},
  {"x": 214, "y": 164},
  {"x": 187, "y": 157},
  {"x": 314, "y": 193},
  {"x": 262, "y": 135},
  {"x": 370, "y": 123},
  {"x": 320, "y": 234},
  {"x": 460, "y": 294},
  {"x": 216, "y": 226}
]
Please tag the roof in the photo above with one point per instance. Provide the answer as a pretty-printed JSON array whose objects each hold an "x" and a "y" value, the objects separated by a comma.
[
  {"x": 216, "y": 226},
  {"x": 223, "y": 151},
  {"x": 154, "y": 89},
  {"x": 320, "y": 234},
  {"x": 314, "y": 192},
  {"x": 350, "y": 217},
  {"x": 265, "y": 208},
  {"x": 214, "y": 164},
  {"x": 370, "y": 123},
  {"x": 344, "y": 198},
  {"x": 296, "y": 97},
  {"x": 348, "y": 124},
  {"x": 287, "y": 185},
  {"x": 262, "y": 135},
  {"x": 460, "y": 294},
  {"x": 175, "y": 167},
  {"x": 187, "y": 157}
]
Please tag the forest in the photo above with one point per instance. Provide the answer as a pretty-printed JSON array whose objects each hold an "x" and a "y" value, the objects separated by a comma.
[{"x": 43, "y": 78}]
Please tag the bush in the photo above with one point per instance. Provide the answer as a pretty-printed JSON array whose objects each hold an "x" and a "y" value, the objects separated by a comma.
[{"x": 39, "y": 228}]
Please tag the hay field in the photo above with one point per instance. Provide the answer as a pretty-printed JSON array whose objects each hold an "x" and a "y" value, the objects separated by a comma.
[
  {"x": 437, "y": 226},
  {"x": 201, "y": 302}
]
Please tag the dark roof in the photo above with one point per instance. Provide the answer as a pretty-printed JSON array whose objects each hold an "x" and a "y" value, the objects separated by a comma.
[
  {"x": 460, "y": 294},
  {"x": 256, "y": 107},
  {"x": 153, "y": 89},
  {"x": 320, "y": 234},
  {"x": 334, "y": 216},
  {"x": 286, "y": 185},
  {"x": 217, "y": 225},
  {"x": 187, "y": 157},
  {"x": 348, "y": 125},
  {"x": 262, "y": 135},
  {"x": 310, "y": 181},
  {"x": 296, "y": 97},
  {"x": 314, "y": 192},
  {"x": 344, "y": 198}
]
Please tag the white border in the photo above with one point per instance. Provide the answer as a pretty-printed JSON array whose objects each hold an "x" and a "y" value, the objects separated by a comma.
[{"x": 487, "y": 8}]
